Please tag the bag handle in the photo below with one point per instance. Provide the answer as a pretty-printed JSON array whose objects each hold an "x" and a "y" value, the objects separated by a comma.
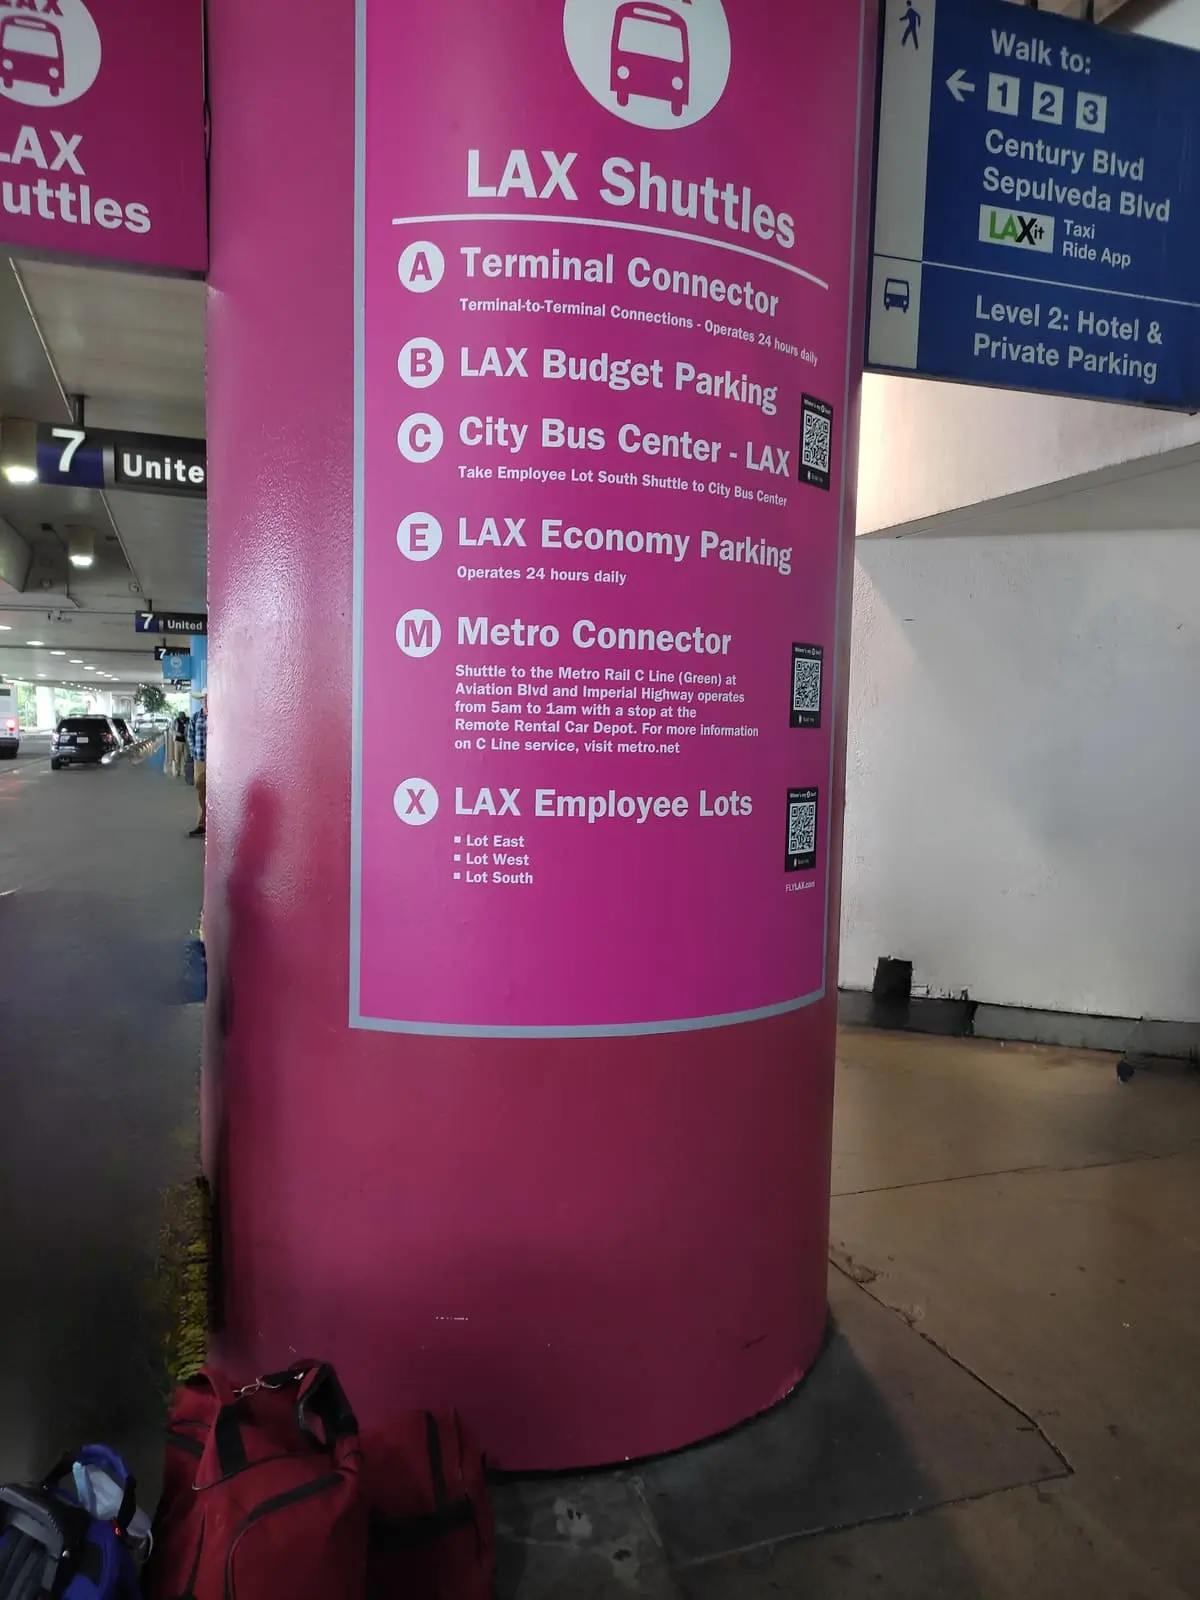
[
  {"x": 319, "y": 1398},
  {"x": 226, "y": 1449},
  {"x": 97, "y": 1456}
]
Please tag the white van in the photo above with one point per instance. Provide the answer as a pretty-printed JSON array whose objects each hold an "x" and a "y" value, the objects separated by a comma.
[{"x": 10, "y": 723}]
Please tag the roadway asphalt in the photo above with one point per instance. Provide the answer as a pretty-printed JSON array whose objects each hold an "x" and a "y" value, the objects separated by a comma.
[{"x": 99, "y": 890}]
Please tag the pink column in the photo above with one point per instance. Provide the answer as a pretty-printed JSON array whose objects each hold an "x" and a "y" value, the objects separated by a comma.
[{"x": 527, "y": 746}]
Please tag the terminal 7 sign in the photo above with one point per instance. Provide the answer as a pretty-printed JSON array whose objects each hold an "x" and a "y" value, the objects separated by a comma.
[{"x": 1037, "y": 208}]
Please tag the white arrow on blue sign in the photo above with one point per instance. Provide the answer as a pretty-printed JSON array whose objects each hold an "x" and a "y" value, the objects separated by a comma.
[{"x": 959, "y": 85}]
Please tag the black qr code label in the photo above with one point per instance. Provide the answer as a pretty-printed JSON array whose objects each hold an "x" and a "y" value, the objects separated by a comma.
[
  {"x": 816, "y": 442},
  {"x": 808, "y": 663},
  {"x": 801, "y": 830}
]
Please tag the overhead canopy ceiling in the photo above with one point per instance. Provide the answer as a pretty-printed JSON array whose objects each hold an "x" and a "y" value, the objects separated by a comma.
[{"x": 133, "y": 346}]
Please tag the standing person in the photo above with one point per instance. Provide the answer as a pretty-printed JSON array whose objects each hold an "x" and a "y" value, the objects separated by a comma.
[
  {"x": 197, "y": 743},
  {"x": 177, "y": 743}
]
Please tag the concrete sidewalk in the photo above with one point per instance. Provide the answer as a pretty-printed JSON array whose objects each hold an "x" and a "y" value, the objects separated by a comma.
[
  {"x": 1008, "y": 1406},
  {"x": 99, "y": 889}
]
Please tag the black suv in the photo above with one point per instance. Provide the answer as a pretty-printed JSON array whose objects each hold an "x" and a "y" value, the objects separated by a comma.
[{"x": 84, "y": 742}]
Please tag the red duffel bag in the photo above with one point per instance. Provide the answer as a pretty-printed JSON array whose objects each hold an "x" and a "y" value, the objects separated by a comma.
[
  {"x": 261, "y": 1497},
  {"x": 431, "y": 1520}
]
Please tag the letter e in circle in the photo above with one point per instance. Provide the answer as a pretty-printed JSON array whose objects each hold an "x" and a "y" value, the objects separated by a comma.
[
  {"x": 420, "y": 437},
  {"x": 421, "y": 267},
  {"x": 415, "y": 802},
  {"x": 418, "y": 633},
  {"x": 421, "y": 363},
  {"x": 419, "y": 536}
]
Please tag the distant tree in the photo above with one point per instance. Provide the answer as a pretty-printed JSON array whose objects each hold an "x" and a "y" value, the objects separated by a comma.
[
  {"x": 27, "y": 704},
  {"x": 152, "y": 698}
]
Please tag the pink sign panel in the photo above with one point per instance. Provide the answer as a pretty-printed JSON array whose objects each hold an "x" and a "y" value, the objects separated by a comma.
[
  {"x": 102, "y": 130},
  {"x": 605, "y": 254}
]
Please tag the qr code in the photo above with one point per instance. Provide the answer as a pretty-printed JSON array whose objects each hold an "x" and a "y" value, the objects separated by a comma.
[
  {"x": 806, "y": 685},
  {"x": 802, "y": 827},
  {"x": 817, "y": 439}
]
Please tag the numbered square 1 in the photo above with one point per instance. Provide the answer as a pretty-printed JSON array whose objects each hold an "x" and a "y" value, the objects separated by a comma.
[
  {"x": 1048, "y": 102},
  {"x": 1091, "y": 112},
  {"x": 1004, "y": 94}
]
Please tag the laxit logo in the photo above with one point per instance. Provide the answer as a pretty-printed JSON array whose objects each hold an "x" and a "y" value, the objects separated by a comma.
[
  {"x": 1023, "y": 230},
  {"x": 655, "y": 63},
  {"x": 49, "y": 51}
]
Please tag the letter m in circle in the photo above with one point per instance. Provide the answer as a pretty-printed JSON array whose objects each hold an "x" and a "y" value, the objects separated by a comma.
[{"x": 418, "y": 633}]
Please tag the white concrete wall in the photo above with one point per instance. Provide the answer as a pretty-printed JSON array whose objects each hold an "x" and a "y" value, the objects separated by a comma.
[
  {"x": 929, "y": 449},
  {"x": 1023, "y": 806}
]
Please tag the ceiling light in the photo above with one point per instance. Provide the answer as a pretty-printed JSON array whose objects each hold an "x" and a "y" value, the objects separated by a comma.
[
  {"x": 89, "y": 669},
  {"x": 35, "y": 644},
  {"x": 5, "y": 627},
  {"x": 76, "y": 661},
  {"x": 58, "y": 652},
  {"x": 80, "y": 547},
  {"x": 18, "y": 450}
]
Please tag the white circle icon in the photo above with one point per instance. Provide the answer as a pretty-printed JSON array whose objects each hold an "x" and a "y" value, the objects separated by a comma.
[
  {"x": 420, "y": 437},
  {"x": 418, "y": 633},
  {"x": 421, "y": 267},
  {"x": 658, "y": 65},
  {"x": 415, "y": 802},
  {"x": 48, "y": 56},
  {"x": 421, "y": 363},
  {"x": 419, "y": 536}
]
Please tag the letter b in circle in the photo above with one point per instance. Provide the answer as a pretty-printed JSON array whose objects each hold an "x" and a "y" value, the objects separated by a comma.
[
  {"x": 418, "y": 633},
  {"x": 415, "y": 802},
  {"x": 421, "y": 363}
]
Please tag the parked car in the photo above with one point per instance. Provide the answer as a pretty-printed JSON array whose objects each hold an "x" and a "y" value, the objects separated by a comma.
[
  {"x": 84, "y": 742},
  {"x": 123, "y": 728}
]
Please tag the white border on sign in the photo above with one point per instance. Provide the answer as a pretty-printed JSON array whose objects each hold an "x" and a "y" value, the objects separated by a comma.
[{"x": 853, "y": 355}]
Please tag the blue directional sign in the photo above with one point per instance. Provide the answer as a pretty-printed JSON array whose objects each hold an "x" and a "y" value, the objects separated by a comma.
[
  {"x": 189, "y": 622},
  {"x": 100, "y": 458},
  {"x": 177, "y": 666},
  {"x": 70, "y": 456},
  {"x": 1037, "y": 207}
]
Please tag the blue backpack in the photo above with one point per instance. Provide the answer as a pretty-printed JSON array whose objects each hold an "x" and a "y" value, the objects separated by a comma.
[{"x": 52, "y": 1548}]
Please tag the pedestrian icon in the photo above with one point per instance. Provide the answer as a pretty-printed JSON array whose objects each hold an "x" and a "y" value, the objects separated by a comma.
[{"x": 911, "y": 18}]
